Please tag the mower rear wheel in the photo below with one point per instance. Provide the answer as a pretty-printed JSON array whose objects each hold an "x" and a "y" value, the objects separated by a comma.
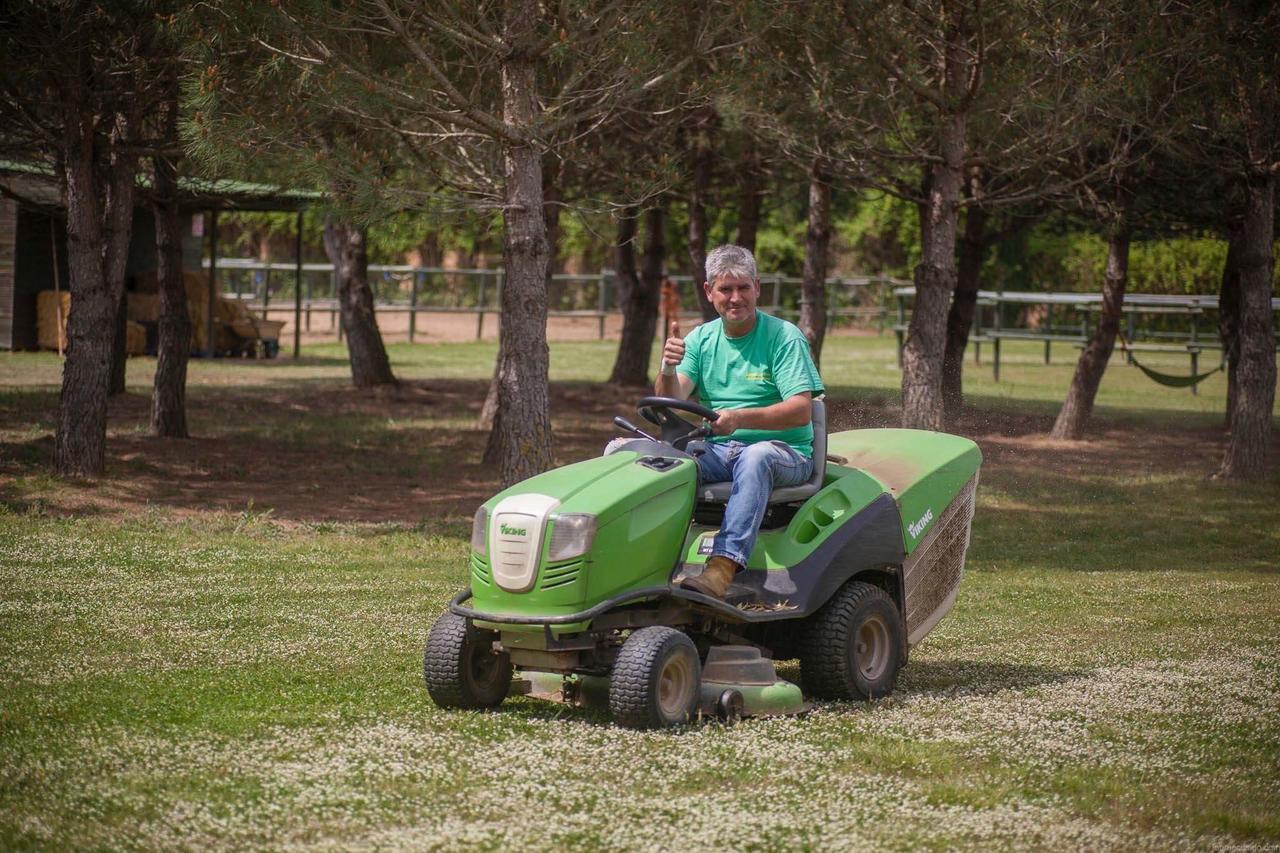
[
  {"x": 656, "y": 679},
  {"x": 460, "y": 666},
  {"x": 852, "y": 647}
]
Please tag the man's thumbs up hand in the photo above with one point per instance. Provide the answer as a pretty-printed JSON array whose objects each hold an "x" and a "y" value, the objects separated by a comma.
[{"x": 672, "y": 350}]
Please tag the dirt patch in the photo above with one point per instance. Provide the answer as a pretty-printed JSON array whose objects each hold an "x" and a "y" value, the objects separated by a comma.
[
  {"x": 332, "y": 453},
  {"x": 307, "y": 454}
]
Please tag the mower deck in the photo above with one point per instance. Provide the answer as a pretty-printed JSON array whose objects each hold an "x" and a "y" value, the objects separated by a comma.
[{"x": 736, "y": 682}]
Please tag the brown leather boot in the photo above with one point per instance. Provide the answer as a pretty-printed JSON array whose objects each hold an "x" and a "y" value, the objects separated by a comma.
[{"x": 715, "y": 579}]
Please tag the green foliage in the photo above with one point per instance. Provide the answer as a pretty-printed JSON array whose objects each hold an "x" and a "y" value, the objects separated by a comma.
[
  {"x": 1076, "y": 261},
  {"x": 1177, "y": 265},
  {"x": 881, "y": 237},
  {"x": 780, "y": 238},
  {"x": 389, "y": 239},
  {"x": 587, "y": 237}
]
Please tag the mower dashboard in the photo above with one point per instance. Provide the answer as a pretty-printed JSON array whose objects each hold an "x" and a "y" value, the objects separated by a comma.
[
  {"x": 653, "y": 449},
  {"x": 658, "y": 463}
]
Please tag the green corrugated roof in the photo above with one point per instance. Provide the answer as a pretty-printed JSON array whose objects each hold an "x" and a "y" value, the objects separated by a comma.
[{"x": 196, "y": 192}]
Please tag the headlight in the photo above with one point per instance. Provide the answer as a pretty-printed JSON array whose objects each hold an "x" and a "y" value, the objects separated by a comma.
[
  {"x": 571, "y": 536},
  {"x": 480, "y": 532}
]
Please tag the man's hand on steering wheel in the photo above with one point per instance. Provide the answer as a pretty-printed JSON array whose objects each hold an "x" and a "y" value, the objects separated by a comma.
[
  {"x": 727, "y": 423},
  {"x": 676, "y": 431}
]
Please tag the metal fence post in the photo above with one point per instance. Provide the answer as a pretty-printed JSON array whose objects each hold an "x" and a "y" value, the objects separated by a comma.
[
  {"x": 602, "y": 300},
  {"x": 976, "y": 335},
  {"x": 1130, "y": 327},
  {"x": 337, "y": 308},
  {"x": 1048, "y": 330},
  {"x": 413, "y": 303},
  {"x": 902, "y": 321},
  {"x": 297, "y": 292},
  {"x": 211, "y": 305},
  {"x": 832, "y": 305},
  {"x": 502, "y": 280},
  {"x": 995, "y": 344}
]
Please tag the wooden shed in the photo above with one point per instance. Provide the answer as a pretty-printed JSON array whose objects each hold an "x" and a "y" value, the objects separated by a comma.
[{"x": 33, "y": 239}]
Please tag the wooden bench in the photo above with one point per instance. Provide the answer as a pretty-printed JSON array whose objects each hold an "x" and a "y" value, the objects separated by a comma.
[{"x": 1049, "y": 338}]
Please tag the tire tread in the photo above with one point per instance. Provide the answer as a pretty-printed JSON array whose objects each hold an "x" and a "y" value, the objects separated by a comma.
[
  {"x": 631, "y": 700},
  {"x": 824, "y": 669},
  {"x": 442, "y": 665}
]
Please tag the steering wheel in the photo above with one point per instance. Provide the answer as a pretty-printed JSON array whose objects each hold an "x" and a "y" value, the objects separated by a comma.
[{"x": 676, "y": 431}]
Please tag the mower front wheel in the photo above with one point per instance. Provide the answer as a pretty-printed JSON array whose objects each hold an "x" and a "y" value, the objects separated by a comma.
[
  {"x": 656, "y": 679},
  {"x": 460, "y": 666},
  {"x": 852, "y": 647}
]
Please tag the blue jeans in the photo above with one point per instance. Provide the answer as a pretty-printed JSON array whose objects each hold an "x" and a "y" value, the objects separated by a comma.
[{"x": 754, "y": 469}]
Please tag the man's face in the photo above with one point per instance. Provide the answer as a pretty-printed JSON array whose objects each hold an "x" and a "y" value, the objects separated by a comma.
[{"x": 734, "y": 298}]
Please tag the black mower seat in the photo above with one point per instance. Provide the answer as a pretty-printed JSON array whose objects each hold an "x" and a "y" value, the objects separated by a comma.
[{"x": 719, "y": 492}]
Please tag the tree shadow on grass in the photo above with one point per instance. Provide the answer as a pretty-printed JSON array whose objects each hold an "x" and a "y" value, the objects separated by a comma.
[
  {"x": 978, "y": 678},
  {"x": 314, "y": 449},
  {"x": 281, "y": 362},
  {"x": 961, "y": 677},
  {"x": 27, "y": 454}
]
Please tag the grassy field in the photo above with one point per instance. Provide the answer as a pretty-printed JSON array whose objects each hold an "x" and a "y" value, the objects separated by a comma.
[{"x": 218, "y": 644}]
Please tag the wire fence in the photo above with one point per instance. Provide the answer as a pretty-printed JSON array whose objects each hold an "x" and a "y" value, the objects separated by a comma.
[
  {"x": 1151, "y": 323},
  {"x": 865, "y": 301}
]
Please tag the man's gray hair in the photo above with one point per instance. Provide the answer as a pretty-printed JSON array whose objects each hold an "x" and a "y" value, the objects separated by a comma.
[{"x": 733, "y": 261}]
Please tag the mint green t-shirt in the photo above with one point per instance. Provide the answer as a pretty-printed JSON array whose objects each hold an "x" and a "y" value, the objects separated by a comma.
[{"x": 769, "y": 364}]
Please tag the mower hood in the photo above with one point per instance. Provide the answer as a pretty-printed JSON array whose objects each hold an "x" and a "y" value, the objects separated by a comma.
[
  {"x": 637, "y": 506},
  {"x": 605, "y": 486}
]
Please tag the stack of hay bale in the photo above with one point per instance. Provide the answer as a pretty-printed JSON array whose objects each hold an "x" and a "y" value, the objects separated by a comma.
[
  {"x": 142, "y": 310},
  {"x": 197, "y": 286},
  {"x": 53, "y": 308}
]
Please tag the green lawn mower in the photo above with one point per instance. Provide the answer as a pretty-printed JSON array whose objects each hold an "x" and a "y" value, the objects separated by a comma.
[{"x": 575, "y": 578}]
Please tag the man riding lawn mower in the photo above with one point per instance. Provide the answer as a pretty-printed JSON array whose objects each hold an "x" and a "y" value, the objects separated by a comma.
[{"x": 663, "y": 579}]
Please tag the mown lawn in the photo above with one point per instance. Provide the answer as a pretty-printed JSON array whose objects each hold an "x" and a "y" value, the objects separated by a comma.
[{"x": 214, "y": 678}]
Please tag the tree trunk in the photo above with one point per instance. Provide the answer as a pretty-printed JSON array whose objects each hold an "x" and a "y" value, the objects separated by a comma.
[
  {"x": 1073, "y": 417},
  {"x": 702, "y": 162},
  {"x": 169, "y": 393},
  {"x": 1254, "y": 399},
  {"x": 640, "y": 295},
  {"x": 521, "y": 438},
  {"x": 551, "y": 172},
  {"x": 98, "y": 196},
  {"x": 119, "y": 347},
  {"x": 935, "y": 279},
  {"x": 813, "y": 299},
  {"x": 346, "y": 247},
  {"x": 1229, "y": 316},
  {"x": 750, "y": 195},
  {"x": 973, "y": 250},
  {"x": 429, "y": 252},
  {"x": 551, "y": 203}
]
